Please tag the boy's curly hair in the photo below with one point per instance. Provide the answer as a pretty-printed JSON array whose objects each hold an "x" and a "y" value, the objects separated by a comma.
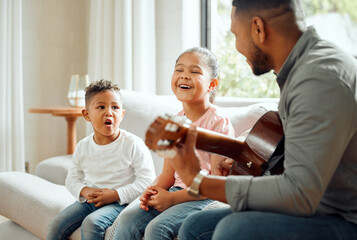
[{"x": 102, "y": 86}]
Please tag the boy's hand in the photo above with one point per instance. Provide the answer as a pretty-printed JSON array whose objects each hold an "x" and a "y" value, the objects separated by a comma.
[
  {"x": 88, "y": 190},
  {"x": 160, "y": 201},
  {"x": 102, "y": 197},
  {"x": 145, "y": 197}
]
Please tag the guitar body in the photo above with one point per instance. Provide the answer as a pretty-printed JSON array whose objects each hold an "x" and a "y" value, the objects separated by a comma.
[
  {"x": 265, "y": 141},
  {"x": 260, "y": 152}
]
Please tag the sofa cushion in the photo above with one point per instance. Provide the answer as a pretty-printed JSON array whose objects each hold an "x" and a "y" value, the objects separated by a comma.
[
  {"x": 141, "y": 109},
  {"x": 244, "y": 118}
]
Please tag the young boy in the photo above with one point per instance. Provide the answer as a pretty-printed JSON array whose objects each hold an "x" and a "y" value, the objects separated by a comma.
[{"x": 111, "y": 167}]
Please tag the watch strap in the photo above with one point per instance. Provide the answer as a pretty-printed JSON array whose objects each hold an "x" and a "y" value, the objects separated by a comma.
[{"x": 194, "y": 189}]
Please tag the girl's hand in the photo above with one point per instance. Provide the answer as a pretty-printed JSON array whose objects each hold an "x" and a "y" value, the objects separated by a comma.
[
  {"x": 103, "y": 197},
  {"x": 160, "y": 201},
  {"x": 145, "y": 197}
]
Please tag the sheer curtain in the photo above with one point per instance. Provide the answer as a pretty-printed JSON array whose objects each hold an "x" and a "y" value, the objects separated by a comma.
[
  {"x": 122, "y": 43},
  {"x": 11, "y": 93}
]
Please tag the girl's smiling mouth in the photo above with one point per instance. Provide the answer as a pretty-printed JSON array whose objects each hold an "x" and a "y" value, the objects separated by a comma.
[{"x": 184, "y": 86}]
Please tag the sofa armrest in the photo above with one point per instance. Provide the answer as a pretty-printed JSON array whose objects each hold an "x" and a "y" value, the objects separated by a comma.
[
  {"x": 54, "y": 169},
  {"x": 31, "y": 201}
]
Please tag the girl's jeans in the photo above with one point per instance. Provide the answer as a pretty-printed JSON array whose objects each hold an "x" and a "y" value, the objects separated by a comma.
[
  {"x": 93, "y": 221},
  {"x": 224, "y": 224},
  {"x": 135, "y": 222}
]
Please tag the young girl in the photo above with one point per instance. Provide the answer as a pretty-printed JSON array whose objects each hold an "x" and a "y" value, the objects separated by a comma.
[{"x": 166, "y": 203}]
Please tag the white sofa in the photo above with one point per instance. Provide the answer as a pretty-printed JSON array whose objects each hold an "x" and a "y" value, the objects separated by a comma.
[{"x": 30, "y": 201}]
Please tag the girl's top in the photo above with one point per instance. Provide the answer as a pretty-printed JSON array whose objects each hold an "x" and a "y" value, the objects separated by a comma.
[{"x": 212, "y": 120}]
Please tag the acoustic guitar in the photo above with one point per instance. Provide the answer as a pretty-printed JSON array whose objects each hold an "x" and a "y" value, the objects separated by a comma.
[{"x": 261, "y": 153}]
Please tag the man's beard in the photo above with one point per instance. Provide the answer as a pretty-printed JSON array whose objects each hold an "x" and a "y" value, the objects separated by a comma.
[{"x": 261, "y": 62}]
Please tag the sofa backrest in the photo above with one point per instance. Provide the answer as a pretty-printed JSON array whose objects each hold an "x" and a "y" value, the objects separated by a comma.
[{"x": 141, "y": 109}]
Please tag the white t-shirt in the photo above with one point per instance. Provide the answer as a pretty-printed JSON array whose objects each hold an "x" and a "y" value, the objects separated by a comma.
[{"x": 125, "y": 165}]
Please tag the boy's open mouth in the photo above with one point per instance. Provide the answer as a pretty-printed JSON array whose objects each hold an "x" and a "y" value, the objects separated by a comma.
[
  {"x": 108, "y": 122},
  {"x": 183, "y": 86}
]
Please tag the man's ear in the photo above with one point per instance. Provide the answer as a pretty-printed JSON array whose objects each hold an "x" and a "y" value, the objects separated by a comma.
[
  {"x": 213, "y": 84},
  {"x": 258, "y": 30},
  {"x": 123, "y": 111},
  {"x": 86, "y": 114}
]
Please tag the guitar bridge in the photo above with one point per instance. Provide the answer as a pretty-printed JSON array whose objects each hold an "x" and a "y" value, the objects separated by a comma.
[{"x": 249, "y": 164}]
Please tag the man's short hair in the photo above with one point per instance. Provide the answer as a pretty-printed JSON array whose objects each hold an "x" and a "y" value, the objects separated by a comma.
[
  {"x": 276, "y": 8},
  {"x": 249, "y": 5}
]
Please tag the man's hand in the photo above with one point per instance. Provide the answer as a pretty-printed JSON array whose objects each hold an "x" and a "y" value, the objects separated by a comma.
[
  {"x": 162, "y": 200},
  {"x": 100, "y": 197},
  {"x": 145, "y": 197},
  {"x": 221, "y": 166},
  {"x": 186, "y": 161}
]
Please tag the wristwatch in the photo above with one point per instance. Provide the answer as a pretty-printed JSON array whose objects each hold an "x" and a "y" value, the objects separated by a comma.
[{"x": 194, "y": 189}]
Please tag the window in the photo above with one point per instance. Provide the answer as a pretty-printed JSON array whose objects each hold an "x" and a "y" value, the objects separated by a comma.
[{"x": 333, "y": 20}]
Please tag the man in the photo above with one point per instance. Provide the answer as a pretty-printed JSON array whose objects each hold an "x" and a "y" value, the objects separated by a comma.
[{"x": 316, "y": 196}]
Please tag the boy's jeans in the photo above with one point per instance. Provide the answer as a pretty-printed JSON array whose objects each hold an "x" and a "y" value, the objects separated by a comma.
[
  {"x": 93, "y": 221},
  {"x": 224, "y": 224}
]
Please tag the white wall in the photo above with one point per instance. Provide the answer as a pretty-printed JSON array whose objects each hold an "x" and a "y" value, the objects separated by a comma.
[
  {"x": 55, "y": 36},
  {"x": 55, "y": 45},
  {"x": 177, "y": 29}
]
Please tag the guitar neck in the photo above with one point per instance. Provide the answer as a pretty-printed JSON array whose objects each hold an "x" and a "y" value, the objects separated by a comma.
[
  {"x": 217, "y": 143},
  {"x": 251, "y": 154}
]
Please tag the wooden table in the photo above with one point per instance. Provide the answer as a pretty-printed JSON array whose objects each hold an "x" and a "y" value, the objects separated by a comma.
[{"x": 70, "y": 114}]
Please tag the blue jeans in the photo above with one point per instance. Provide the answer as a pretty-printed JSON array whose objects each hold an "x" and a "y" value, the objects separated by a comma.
[
  {"x": 93, "y": 221},
  {"x": 224, "y": 224},
  {"x": 135, "y": 222}
]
